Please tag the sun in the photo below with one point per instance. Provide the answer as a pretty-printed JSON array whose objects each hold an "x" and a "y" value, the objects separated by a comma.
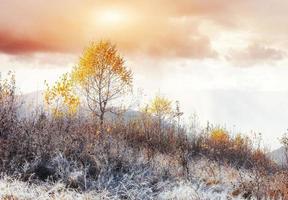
[{"x": 111, "y": 17}]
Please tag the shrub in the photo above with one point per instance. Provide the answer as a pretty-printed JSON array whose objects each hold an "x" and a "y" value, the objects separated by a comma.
[{"x": 8, "y": 106}]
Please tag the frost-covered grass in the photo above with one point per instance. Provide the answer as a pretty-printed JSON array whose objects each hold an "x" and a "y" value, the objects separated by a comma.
[
  {"x": 22, "y": 190},
  {"x": 207, "y": 180},
  {"x": 124, "y": 173}
]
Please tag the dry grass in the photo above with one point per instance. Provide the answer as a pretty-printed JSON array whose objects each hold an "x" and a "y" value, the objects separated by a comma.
[{"x": 132, "y": 160}]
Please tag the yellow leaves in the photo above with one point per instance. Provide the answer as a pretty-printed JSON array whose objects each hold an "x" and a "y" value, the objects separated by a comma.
[
  {"x": 99, "y": 60},
  {"x": 57, "y": 113},
  {"x": 100, "y": 75},
  {"x": 160, "y": 106},
  {"x": 62, "y": 93},
  {"x": 219, "y": 135},
  {"x": 7, "y": 86}
]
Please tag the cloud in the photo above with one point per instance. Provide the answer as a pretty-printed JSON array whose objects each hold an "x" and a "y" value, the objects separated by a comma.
[
  {"x": 166, "y": 39},
  {"x": 255, "y": 54},
  {"x": 60, "y": 27},
  {"x": 160, "y": 28},
  {"x": 171, "y": 46},
  {"x": 31, "y": 42},
  {"x": 19, "y": 44},
  {"x": 37, "y": 26}
]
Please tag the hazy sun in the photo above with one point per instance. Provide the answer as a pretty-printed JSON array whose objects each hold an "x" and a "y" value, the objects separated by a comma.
[
  {"x": 111, "y": 20},
  {"x": 111, "y": 17}
]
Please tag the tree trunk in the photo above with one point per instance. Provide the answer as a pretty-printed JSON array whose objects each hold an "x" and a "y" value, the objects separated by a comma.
[{"x": 101, "y": 124}]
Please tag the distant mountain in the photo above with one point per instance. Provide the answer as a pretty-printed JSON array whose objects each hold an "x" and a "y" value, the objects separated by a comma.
[
  {"x": 279, "y": 156},
  {"x": 34, "y": 102},
  {"x": 30, "y": 103},
  {"x": 34, "y": 99}
]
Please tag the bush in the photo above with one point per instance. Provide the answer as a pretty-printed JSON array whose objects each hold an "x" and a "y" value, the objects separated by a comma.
[{"x": 8, "y": 106}]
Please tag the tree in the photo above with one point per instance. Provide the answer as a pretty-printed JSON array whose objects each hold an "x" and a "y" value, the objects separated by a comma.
[
  {"x": 61, "y": 97},
  {"x": 161, "y": 108},
  {"x": 101, "y": 75}
]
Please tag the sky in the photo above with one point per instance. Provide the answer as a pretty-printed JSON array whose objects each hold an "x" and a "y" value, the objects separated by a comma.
[{"x": 224, "y": 60}]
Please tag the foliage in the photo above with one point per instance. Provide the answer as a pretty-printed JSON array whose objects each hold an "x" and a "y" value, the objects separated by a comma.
[
  {"x": 100, "y": 75},
  {"x": 219, "y": 135},
  {"x": 160, "y": 106},
  {"x": 61, "y": 98}
]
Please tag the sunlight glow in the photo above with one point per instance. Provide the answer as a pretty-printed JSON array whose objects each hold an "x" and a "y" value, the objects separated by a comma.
[{"x": 112, "y": 16}]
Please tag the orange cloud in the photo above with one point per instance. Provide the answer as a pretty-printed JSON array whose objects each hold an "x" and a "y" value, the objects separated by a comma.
[
  {"x": 67, "y": 28},
  {"x": 11, "y": 44},
  {"x": 160, "y": 28}
]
